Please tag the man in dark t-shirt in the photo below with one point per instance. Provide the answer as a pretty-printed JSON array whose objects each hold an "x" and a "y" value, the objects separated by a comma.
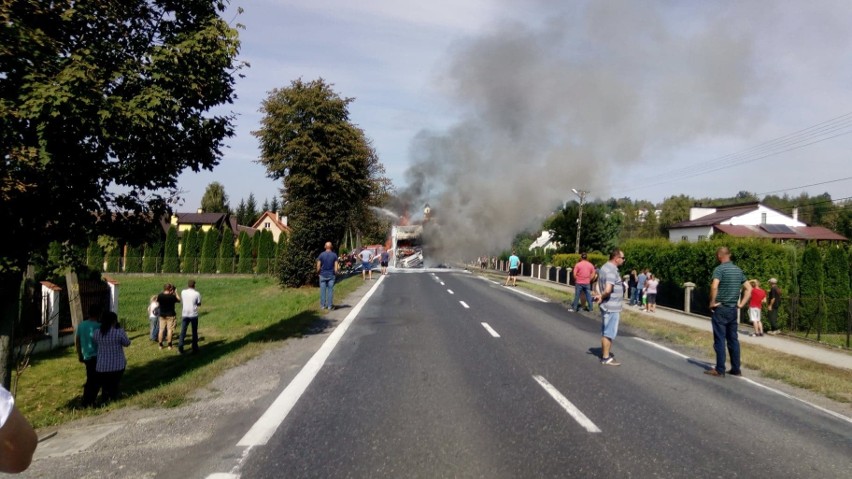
[
  {"x": 327, "y": 267},
  {"x": 773, "y": 302},
  {"x": 167, "y": 300}
]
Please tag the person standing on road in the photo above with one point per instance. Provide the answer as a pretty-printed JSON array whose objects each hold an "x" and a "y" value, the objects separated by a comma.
[
  {"x": 111, "y": 341},
  {"x": 367, "y": 264},
  {"x": 514, "y": 265},
  {"x": 755, "y": 304},
  {"x": 774, "y": 302},
  {"x": 384, "y": 259},
  {"x": 610, "y": 300},
  {"x": 728, "y": 280},
  {"x": 87, "y": 353},
  {"x": 168, "y": 299},
  {"x": 583, "y": 272},
  {"x": 191, "y": 300},
  {"x": 327, "y": 267}
]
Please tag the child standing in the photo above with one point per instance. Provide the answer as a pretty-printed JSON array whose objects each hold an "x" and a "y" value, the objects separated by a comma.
[
  {"x": 758, "y": 297},
  {"x": 154, "y": 317}
]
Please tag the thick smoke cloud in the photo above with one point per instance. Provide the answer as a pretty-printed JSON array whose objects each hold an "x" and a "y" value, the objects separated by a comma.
[{"x": 563, "y": 100}]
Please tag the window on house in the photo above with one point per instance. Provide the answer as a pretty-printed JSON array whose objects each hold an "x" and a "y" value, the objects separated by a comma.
[
  {"x": 701, "y": 237},
  {"x": 684, "y": 238},
  {"x": 267, "y": 225},
  {"x": 763, "y": 218}
]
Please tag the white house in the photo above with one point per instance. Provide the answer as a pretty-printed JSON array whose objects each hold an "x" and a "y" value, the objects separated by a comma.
[
  {"x": 544, "y": 242},
  {"x": 747, "y": 220}
]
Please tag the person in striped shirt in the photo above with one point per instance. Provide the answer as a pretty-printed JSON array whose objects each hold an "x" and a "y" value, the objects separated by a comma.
[{"x": 728, "y": 280}]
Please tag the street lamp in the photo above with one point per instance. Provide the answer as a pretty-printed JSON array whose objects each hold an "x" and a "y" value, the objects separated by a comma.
[{"x": 582, "y": 195}]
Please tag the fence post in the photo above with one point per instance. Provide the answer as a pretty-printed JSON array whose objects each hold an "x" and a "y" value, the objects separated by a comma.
[
  {"x": 687, "y": 296},
  {"x": 848, "y": 321}
]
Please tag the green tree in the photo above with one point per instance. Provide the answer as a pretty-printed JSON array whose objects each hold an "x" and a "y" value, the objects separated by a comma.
[
  {"x": 836, "y": 289},
  {"x": 153, "y": 259},
  {"x": 209, "y": 251},
  {"x": 104, "y": 105},
  {"x": 171, "y": 260},
  {"x": 241, "y": 212},
  {"x": 95, "y": 256},
  {"x": 251, "y": 214},
  {"x": 307, "y": 140},
  {"x": 227, "y": 255},
  {"x": 215, "y": 200},
  {"x": 674, "y": 210},
  {"x": 134, "y": 260},
  {"x": 265, "y": 251},
  {"x": 812, "y": 288},
  {"x": 244, "y": 265},
  {"x": 598, "y": 232},
  {"x": 190, "y": 251}
]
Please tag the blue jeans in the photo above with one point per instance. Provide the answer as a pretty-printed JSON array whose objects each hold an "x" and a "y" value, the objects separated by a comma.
[
  {"x": 187, "y": 321},
  {"x": 326, "y": 291},
  {"x": 578, "y": 290},
  {"x": 154, "y": 323},
  {"x": 632, "y": 295},
  {"x": 724, "y": 322}
]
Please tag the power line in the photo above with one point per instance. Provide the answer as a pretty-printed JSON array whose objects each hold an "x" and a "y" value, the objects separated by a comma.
[
  {"x": 805, "y": 186},
  {"x": 841, "y": 125}
]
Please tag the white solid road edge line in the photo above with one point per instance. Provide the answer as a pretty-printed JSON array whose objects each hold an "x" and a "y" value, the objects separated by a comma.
[
  {"x": 525, "y": 294},
  {"x": 571, "y": 409},
  {"x": 490, "y": 330},
  {"x": 265, "y": 427},
  {"x": 770, "y": 389}
]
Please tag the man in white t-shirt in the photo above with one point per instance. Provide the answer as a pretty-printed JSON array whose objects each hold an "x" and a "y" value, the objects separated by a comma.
[
  {"x": 18, "y": 440},
  {"x": 191, "y": 300},
  {"x": 366, "y": 263}
]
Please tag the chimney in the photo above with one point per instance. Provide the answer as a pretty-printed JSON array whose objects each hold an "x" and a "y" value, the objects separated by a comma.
[
  {"x": 284, "y": 220},
  {"x": 199, "y": 211},
  {"x": 796, "y": 213}
]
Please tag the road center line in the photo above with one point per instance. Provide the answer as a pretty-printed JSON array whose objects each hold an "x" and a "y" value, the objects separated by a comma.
[
  {"x": 490, "y": 330},
  {"x": 265, "y": 427},
  {"x": 442, "y": 283},
  {"x": 770, "y": 389},
  {"x": 450, "y": 291},
  {"x": 464, "y": 304},
  {"x": 571, "y": 409}
]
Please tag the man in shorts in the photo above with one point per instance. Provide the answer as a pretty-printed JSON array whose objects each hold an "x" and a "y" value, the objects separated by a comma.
[
  {"x": 366, "y": 263},
  {"x": 514, "y": 265},
  {"x": 384, "y": 259},
  {"x": 610, "y": 299}
]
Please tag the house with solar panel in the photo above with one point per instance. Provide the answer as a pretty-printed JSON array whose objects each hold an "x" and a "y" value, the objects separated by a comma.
[{"x": 748, "y": 220}]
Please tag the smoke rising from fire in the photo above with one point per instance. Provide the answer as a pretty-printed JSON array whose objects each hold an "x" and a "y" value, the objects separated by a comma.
[{"x": 563, "y": 100}]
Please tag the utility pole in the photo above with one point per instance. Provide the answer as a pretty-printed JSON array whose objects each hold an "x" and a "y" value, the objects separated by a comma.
[{"x": 582, "y": 195}]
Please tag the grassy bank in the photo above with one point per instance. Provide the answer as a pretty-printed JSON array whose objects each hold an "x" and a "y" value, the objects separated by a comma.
[
  {"x": 831, "y": 382},
  {"x": 239, "y": 318}
]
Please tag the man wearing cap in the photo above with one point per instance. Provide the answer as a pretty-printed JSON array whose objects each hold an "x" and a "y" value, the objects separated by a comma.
[
  {"x": 774, "y": 299},
  {"x": 583, "y": 272}
]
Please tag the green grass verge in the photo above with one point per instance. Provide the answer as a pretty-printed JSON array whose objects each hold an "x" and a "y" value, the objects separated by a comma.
[{"x": 240, "y": 317}]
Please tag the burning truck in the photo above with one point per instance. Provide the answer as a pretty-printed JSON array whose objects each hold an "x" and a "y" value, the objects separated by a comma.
[{"x": 407, "y": 246}]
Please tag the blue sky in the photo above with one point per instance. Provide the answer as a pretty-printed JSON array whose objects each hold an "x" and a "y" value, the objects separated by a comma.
[{"x": 621, "y": 98}]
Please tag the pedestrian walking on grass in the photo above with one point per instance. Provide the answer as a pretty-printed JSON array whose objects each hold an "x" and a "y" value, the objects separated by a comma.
[
  {"x": 327, "y": 267},
  {"x": 153, "y": 318},
  {"x": 191, "y": 300},
  {"x": 610, "y": 300},
  {"x": 727, "y": 282}
]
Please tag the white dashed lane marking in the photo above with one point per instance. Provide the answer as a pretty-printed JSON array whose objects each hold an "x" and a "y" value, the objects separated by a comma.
[
  {"x": 570, "y": 408},
  {"x": 490, "y": 330}
]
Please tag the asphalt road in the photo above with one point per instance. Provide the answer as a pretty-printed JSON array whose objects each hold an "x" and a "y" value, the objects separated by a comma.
[{"x": 449, "y": 375}]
